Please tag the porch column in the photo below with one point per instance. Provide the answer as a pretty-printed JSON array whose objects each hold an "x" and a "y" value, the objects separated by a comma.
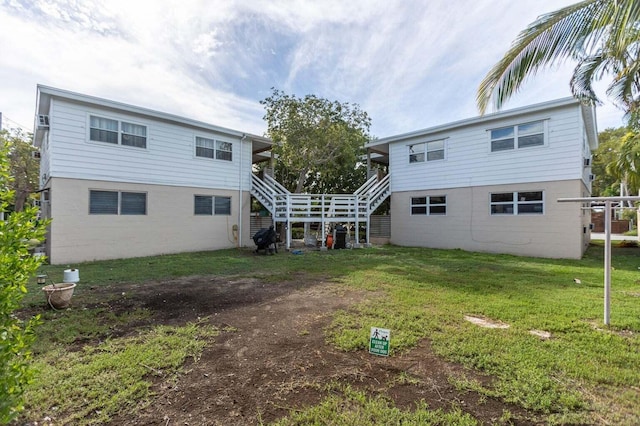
[{"x": 357, "y": 218}]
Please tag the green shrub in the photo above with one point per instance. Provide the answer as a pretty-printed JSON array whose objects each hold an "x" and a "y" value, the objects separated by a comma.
[{"x": 18, "y": 232}]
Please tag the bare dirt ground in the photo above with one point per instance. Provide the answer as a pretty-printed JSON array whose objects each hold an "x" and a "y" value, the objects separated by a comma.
[{"x": 271, "y": 356}]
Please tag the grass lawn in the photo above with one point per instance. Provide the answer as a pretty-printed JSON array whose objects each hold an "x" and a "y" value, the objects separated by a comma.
[{"x": 584, "y": 373}]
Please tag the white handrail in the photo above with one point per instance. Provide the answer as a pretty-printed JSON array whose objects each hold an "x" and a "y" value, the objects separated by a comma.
[
  {"x": 276, "y": 185},
  {"x": 320, "y": 207},
  {"x": 366, "y": 187},
  {"x": 378, "y": 193}
]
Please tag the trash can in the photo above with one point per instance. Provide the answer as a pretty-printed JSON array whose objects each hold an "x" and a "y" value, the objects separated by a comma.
[{"x": 340, "y": 241}]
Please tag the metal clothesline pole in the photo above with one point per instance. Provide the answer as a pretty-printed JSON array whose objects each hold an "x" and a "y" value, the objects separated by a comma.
[
  {"x": 607, "y": 262},
  {"x": 607, "y": 243}
]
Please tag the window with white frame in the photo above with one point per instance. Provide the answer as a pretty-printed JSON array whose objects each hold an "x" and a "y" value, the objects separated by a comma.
[
  {"x": 519, "y": 202},
  {"x": 116, "y": 132},
  {"x": 117, "y": 202},
  {"x": 133, "y": 135},
  {"x": 434, "y": 205},
  {"x": 208, "y": 205},
  {"x": 426, "y": 151},
  {"x": 517, "y": 137},
  {"x": 224, "y": 151},
  {"x": 211, "y": 148}
]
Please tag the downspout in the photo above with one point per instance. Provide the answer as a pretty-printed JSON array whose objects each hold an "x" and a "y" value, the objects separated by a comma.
[{"x": 244, "y": 137}]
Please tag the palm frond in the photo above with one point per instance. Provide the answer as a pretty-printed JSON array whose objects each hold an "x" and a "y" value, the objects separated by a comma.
[
  {"x": 585, "y": 72},
  {"x": 625, "y": 87},
  {"x": 574, "y": 32}
]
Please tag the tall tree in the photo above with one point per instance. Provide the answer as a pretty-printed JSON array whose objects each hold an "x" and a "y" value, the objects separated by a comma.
[
  {"x": 318, "y": 142},
  {"x": 23, "y": 167},
  {"x": 601, "y": 35}
]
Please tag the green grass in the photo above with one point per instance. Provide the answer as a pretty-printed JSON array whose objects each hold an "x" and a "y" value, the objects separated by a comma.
[
  {"x": 167, "y": 267},
  {"x": 346, "y": 406},
  {"x": 585, "y": 373},
  {"x": 428, "y": 292},
  {"x": 80, "y": 326},
  {"x": 92, "y": 385}
]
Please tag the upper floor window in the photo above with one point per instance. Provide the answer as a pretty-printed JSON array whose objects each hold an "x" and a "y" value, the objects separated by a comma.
[
  {"x": 134, "y": 135},
  {"x": 516, "y": 137},
  {"x": 117, "y": 202},
  {"x": 426, "y": 151},
  {"x": 430, "y": 206},
  {"x": 211, "y": 148},
  {"x": 519, "y": 202},
  {"x": 117, "y": 132}
]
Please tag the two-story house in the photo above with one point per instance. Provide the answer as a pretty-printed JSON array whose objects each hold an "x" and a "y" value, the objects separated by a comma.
[
  {"x": 124, "y": 181},
  {"x": 492, "y": 183}
]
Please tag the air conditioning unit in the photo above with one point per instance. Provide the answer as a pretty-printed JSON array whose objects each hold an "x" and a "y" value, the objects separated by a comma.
[
  {"x": 43, "y": 121},
  {"x": 587, "y": 162}
]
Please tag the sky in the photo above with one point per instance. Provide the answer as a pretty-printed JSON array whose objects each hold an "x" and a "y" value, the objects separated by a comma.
[{"x": 410, "y": 64}]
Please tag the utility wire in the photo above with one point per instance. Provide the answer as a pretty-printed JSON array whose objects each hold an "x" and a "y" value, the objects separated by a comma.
[{"x": 9, "y": 122}]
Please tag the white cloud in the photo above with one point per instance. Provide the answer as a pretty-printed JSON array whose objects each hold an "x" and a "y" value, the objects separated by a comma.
[{"x": 410, "y": 64}]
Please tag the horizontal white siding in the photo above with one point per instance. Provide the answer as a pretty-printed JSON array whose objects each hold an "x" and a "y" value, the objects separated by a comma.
[
  {"x": 45, "y": 161},
  {"x": 586, "y": 154},
  {"x": 45, "y": 158},
  {"x": 469, "y": 161},
  {"x": 169, "y": 158}
]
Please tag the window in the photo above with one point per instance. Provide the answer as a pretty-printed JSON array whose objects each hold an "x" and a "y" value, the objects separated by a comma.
[
  {"x": 104, "y": 130},
  {"x": 103, "y": 202},
  {"x": 133, "y": 203},
  {"x": 203, "y": 205},
  {"x": 115, "y": 202},
  {"x": 517, "y": 137},
  {"x": 205, "y": 147},
  {"x": 416, "y": 153},
  {"x": 429, "y": 151},
  {"x": 208, "y": 205},
  {"x": 222, "y": 206},
  {"x": 210, "y": 148},
  {"x": 511, "y": 203},
  {"x": 430, "y": 206},
  {"x": 115, "y": 132},
  {"x": 223, "y": 151},
  {"x": 134, "y": 135}
]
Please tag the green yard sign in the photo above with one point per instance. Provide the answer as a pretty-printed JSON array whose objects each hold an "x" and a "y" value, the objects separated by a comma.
[{"x": 379, "y": 341}]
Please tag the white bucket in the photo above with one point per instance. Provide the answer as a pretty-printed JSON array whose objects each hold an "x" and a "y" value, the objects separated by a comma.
[{"x": 71, "y": 276}]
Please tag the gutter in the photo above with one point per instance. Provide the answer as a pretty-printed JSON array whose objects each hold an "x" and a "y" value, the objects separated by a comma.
[{"x": 244, "y": 137}]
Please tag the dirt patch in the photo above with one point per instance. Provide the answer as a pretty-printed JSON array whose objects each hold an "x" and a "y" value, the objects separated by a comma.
[
  {"x": 271, "y": 356},
  {"x": 544, "y": 335},
  {"x": 485, "y": 322}
]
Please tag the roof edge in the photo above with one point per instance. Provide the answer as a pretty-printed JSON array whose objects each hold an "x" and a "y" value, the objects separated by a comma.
[
  {"x": 79, "y": 97},
  {"x": 568, "y": 101}
]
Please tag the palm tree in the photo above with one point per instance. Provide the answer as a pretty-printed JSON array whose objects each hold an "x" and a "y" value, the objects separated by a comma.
[
  {"x": 626, "y": 166},
  {"x": 601, "y": 35}
]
